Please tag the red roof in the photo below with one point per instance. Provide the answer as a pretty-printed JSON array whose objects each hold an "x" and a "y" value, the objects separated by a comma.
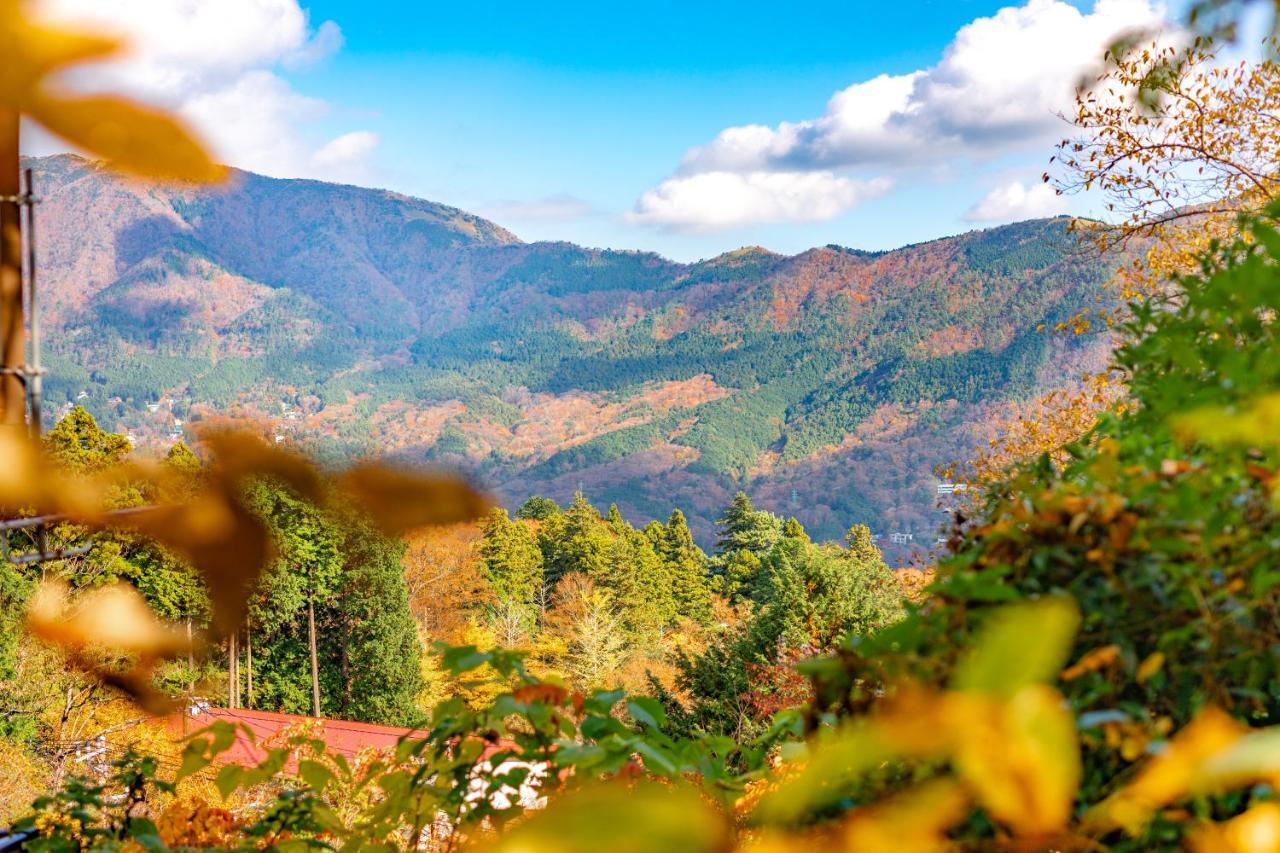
[{"x": 346, "y": 737}]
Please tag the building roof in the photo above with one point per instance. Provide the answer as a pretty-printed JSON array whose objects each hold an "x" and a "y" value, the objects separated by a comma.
[{"x": 345, "y": 737}]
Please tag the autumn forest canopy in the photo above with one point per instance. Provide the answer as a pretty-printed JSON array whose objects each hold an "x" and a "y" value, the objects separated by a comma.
[{"x": 388, "y": 530}]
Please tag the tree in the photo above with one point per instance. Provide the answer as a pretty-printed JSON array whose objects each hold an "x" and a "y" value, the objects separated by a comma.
[
  {"x": 78, "y": 445},
  {"x": 587, "y": 620},
  {"x": 579, "y": 544},
  {"x": 446, "y": 583},
  {"x": 810, "y": 597},
  {"x": 538, "y": 508},
  {"x": 793, "y": 529},
  {"x": 510, "y": 559},
  {"x": 307, "y": 573},
  {"x": 746, "y": 535},
  {"x": 687, "y": 566},
  {"x": 374, "y": 639},
  {"x": 1178, "y": 144}
]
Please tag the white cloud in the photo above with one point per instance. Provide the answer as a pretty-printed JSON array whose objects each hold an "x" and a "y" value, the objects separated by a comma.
[
  {"x": 1015, "y": 200},
  {"x": 714, "y": 200},
  {"x": 216, "y": 62},
  {"x": 999, "y": 86},
  {"x": 350, "y": 149},
  {"x": 554, "y": 208}
]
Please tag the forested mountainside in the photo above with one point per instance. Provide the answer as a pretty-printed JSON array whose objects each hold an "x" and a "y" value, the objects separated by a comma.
[{"x": 828, "y": 384}]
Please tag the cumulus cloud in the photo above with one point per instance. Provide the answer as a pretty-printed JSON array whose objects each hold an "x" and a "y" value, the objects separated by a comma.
[
  {"x": 1000, "y": 85},
  {"x": 553, "y": 208},
  {"x": 714, "y": 200},
  {"x": 1015, "y": 200},
  {"x": 217, "y": 62}
]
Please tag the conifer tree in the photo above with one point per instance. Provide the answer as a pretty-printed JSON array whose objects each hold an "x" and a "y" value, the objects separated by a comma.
[
  {"x": 510, "y": 559},
  {"x": 580, "y": 544},
  {"x": 746, "y": 536},
  {"x": 688, "y": 566},
  {"x": 793, "y": 529},
  {"x": 374, "y": 652},
  {"x": 538, "y": 508}
]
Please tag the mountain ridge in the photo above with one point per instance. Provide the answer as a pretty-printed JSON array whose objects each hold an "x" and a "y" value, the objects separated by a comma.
[{"x": 357, "y": 320}]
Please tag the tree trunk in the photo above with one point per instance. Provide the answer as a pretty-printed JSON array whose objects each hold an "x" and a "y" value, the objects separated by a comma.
[
  {"x": 12, "y": 339},
  {"x": 344, "y": 665},
  {"x": 248, "y": 648},
  {"x": 315, "y": 664},
  {"x": 233, "y": 671},
  {"x": 191, "y": 660}
]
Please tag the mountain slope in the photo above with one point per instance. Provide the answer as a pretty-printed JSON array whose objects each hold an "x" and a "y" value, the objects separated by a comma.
[{"x": 828, "y": 383}]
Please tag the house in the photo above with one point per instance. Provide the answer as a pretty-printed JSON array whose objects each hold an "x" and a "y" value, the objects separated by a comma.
[
  {"x": 901, "y": 538},
  {"x": 348, "y": 739}
]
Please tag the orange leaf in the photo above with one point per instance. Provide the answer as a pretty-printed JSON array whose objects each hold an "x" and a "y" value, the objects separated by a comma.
[
  {"x": 130, "y": 136},
  {"x": 399, "y": 500}
]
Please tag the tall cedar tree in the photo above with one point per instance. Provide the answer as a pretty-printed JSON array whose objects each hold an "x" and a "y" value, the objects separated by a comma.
[
  {"x": 511, "y": 560},
  {"x": 688, "y": 566}
]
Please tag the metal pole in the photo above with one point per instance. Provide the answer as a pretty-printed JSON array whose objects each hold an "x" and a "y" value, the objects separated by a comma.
[
  {"x": 35, "y": 379},
  {"x": 12, "y": 344}
]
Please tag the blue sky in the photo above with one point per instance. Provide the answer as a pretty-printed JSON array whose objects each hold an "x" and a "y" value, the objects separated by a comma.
[{"x": 688, "y": 129}]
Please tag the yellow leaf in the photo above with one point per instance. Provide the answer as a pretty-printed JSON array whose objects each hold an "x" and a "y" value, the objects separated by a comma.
[
  {"x": 915, "y": 821},
  {"x": 113, "y": 617},
  {"x": 32, "y": 50},
  {"x": 131, "y": 137},
  {"x": 225, "y": 542},
  {"x": 240, "y": 455},
  {"x": 1021, "y": 757},
  {"x": 1168, "y": 777},
  {"x": 1255, "y": 831},
  {"x": 1152, "y": 664},
  {"x": 1092, "y": 661},
  {"x": 1256, "y": 424},
  {"x": 398, "y": 501},
  {"x": 1020, "y": 645},
  {"x": 617, "y": 816}
]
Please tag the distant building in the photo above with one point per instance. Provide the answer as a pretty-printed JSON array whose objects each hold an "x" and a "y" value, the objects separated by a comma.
[{"x": 901, "y": 538}]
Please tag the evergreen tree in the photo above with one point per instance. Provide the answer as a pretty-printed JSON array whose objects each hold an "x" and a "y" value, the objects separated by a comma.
[
  {"x": 581, "y": 544},
  {"x": 374, "y": 650},
  {"x": 811, "y": 597},
  {"x": 77, "y": 444},
  {"x": 538, "y": 508},
  {"x": 640, "y": 583},
  {"x": 793, "y": 529},
  {"x": 745, "y": 528},
  {"x": 687, "y": 565},
  {"x": 510, "y": 559},
  {"x": 303, "y": 580}
]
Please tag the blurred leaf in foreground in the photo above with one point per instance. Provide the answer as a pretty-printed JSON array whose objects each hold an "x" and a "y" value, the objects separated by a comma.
[
  {"x": 132, "y": 137},
  {"x": 621, "y": 818}
]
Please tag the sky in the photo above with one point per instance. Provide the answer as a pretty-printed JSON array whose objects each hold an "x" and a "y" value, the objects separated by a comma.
[{"x": 686, "y": 128}]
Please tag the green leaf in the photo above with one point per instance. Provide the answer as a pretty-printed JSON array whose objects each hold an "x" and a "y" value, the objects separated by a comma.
[
  {"x": 315, "y": 774},
  {"x": 647, "y": 712},
  {"x": 228, "y": 779},
  {"x": 194, "y": 760},
  {"x": 1020, "y": 645}
]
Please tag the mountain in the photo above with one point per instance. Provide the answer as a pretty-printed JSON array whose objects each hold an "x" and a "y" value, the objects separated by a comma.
[{"x": 828, "y": 384}]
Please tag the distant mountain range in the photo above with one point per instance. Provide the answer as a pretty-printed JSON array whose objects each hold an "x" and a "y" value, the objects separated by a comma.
[{"x": 828, "y": 384}]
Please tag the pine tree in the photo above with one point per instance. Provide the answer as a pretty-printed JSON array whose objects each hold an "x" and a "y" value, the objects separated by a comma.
[
  {"x": 687, "y": 565},
  {"x": 373, "y": 649},
  {"x": 79, "y": 445},
  {"x": 743, "y": 527},
  {"x": 793, "y": 529},
  {"x": 538, "y": 508},
  {"x": 581, "y": 544},
  {"x": 746, "y": 536},
  {"x": 510, "y": 559}
]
